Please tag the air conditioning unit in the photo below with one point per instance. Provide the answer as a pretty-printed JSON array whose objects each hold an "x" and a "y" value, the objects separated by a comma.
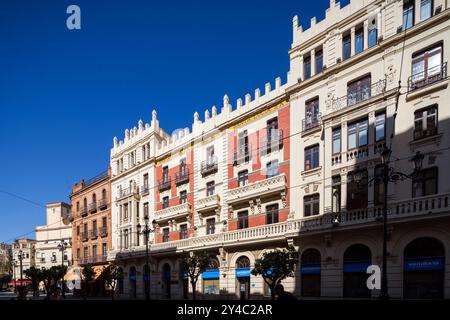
[{"x": 438, "y": 10}]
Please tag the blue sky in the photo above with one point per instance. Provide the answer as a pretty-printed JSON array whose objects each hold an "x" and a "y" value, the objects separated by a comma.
[{"x": 65, "y": 94}]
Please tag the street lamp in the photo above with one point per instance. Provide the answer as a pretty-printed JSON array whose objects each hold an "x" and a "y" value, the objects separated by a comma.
[
  {"x": 146, "y": 232},
  {"x": 389, "y": 175},
  {"x": 20, "y": 261},
  {"x": 62, "y": 247}
]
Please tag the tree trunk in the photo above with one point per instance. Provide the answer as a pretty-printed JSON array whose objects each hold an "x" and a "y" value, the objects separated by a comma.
[
  {"x": 194, "y": 293},
  {"x": 272, "y": 292}
]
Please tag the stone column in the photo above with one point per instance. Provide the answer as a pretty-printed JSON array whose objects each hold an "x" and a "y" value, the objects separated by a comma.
[
  {"x": 366, "y": 34},
  {"x": 352, "y": 41},
  {"x": 302, "y": 75},
  {"x": 313, "y": 62},
  {"x": 343, "y": 191}
]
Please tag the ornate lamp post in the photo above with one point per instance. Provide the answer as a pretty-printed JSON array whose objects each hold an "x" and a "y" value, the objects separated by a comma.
[
  {"x": 62, "y": 247},
  {"x": 146, "y": 232},
  {"x": 20, "y": 261},
  {"x": 390, "y": 175}
]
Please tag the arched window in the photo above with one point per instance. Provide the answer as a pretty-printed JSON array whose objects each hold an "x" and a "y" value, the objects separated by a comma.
[
  {"x": 213, "y": 263},
  {"x": 310, "y": 273},
  {"x": 243, "y": 262},
  {"x": 85, "y": 202},
  {"x": 423, "y": 269},
  {"x": 94, "y": 198},
  {"x": 104, "y": 194},
  {"x": 356, "y": 260}
]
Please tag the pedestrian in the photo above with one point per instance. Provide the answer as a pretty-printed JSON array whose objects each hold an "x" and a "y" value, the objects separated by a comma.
[{"x": 283, "y": 295}]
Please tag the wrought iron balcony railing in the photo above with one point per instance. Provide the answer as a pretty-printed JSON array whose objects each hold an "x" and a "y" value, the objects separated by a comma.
[
  {"x": 102, "y": 204},
  {"x": 83, "y": 211},
  {"x": 145, "y": 189},
  {"x": 93, "y": 234},
  {"x": 92, "y": 207},
  {"x": 164, "y": 184},
  {"x": 182, "y": 176},
  {"x": 209, "y": 166},
  {"x": 310, "y": 123},
  {"x": 103, "y": 231},
  {"x": 271, "y": 142},
  {"x": 243, "y": 154},
  {"x": 427, "y": 77}
]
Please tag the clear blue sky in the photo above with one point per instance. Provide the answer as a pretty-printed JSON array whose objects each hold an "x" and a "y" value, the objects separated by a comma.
[{"x": 65, "y": 94}]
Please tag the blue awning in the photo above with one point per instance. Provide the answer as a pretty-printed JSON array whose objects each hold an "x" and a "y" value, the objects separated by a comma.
[
  {"x": 424, "y": 264},
  {"x": 310, "y": 268},
  {"x": 211, "y": 274},
  {"x": 356, "y": 266},
  {"x": 242, "y": 272}
]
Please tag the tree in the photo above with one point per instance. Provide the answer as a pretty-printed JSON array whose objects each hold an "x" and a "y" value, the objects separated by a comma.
[
  {"x": 112, "y": 274},
  {"x": 51, "y": 277},
  {"x": 275, "y": 266},
  {"x": 36, "y": 276},
  {"x": 88, "y": 275},
  {"x": 194, "y": 264}
]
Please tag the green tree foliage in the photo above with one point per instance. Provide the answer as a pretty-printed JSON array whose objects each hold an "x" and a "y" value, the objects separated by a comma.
[
  {"x": 36, "y": 276},
  {"x": 112, "y": 274},
  {"x": 194, "y": 264}
]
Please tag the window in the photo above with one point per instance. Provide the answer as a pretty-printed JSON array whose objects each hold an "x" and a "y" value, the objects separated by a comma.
[
  {"x": 85, "y": 203},
  {"x": 243, "y": 220},
  {"x": 137, "y": 210},
  {"x": 104, "y": 194},
  {"x": 272, "y": 214},
  {"x": 372, "y": 33},
  {"x": 210, "y": 186},
  {"x": 183, "y": 231},
  {"x": 210, "y": 155},
  {"x": 85, "y": 229},
  {"x": 243, "y": 152},
  {"x": 378, "y": 186},
  {"x": 78, "y": 254},
  {"x": 165, "y": 235},
  {"x": 183, "y": 196},
  {"x": 94, "y": 199},
  {"x": 165, "y": 202},
  {"x": 94, "y": 251},
  {"x": 85, "y": 252},
  {"x": 272, "y": 142},
  {"x": 165, "y": 174},
  {"x": 125, "y": 236},
  {"x": 408, "y": 14},
  {"x": 359, "y": 41},
  {"x": 427, "y": 66},
  {"x": 104, "y": 250},
  {"x": 94, "y": 226},
  {"x": 146, "y": 209},
  {"x": 380, "y": 120},
  {"x": 146, "y": 182},
  {"x": 78, "y": 206},
  {"x": 311, "y": 114},
  {"x": 307, "y": 68},
  {"x": 336, "y": 140},
  {"x": 210, "y": 226},
  {"x": 242, "y": 178},
  {"x": 312, "y": 157},
  {"x": 357, "y": 134},
  {"x": 346, "y": 47},
  {"x": 425, "y": 123},
  {"x": 425, "y": 183},
  {"x": 319, "y": 61},
  {"x": 183, "y": 168},
  {"x": 104, "y": 222},
  {"x": 357, "y": 192},
  {"x": 65, "y": 256},
  {"x": 426, "y": 9},
  {"x": 125, "y": 211},
  {"x": 78, "y": 230},
  {"x": 336, "y": 194},
  {"x": 311, "y": 205},
  {"x": 272, "y": 168},
  {"x": 358, "y": 90}
]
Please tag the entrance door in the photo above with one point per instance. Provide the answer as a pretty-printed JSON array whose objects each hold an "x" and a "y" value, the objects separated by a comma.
[
  {"x": 356, "y": 260},
  {"x": 166, "y": 281},
  {"x": 133, "y": 282},
  {"x": 244, "y": 288}
]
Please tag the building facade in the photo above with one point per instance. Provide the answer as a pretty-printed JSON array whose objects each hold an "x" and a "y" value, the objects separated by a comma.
[
  {"x": 49, "y": 238},
  {"x": 23, "y": 258},
  {"x": 5, "y": 258},
  {"x": 91, "y": 222},
  {"x": 299, "y": 164}
]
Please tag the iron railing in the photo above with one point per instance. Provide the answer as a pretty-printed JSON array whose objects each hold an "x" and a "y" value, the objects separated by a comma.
[
  {"x": 209, "y": 166},
  {"x": 427, "y": 77},
  {"x": 243, "y": 154},
  {"x": 102, "y": 204},
  {"x": 271, "y": 142},
  {"x": 354, "y": 97},
  {"x": 182, "y": 176},
  {"x": 164, "y": 184},
  {"x": 310, "y": 123},
  {"x": 92, "y": 207}
]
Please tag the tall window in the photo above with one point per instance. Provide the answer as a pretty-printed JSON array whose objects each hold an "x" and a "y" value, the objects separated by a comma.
[
  {"x": 408, "y": 14},
  {"x": 359, "y": 41},
  {"x": 336, "y": 140},
  {"x": 378, "y": 186},
  {"x": 307, "y": 67},
  {"x": 210, "y": 155},
  {"x": 210, "y": 226},
  {"x": 146, "y": 181},
  {"x": 372, "y": 33},
  {"x": 358, "y": 90},
  {"x": 312, "y": 114},
  {"x": 380, "y": 120},
  {"x": 183, "y": 167},
  {"x": 78, "y": 230},
  {"x": 426, "y": 9},
  {"x": 85, "y": 252},
  {"x": 78, "y": 254},
  {"x": 272, "y": 214},
  {"x": 357, "y": 191},
  {"x": 427, "y": 66},
  {"x": 104, "y": 194},
  {"x": 312, "y": 157},
  {"x": 165, "y": 174},
  {"x": 165, "y": 202},
  {"x": 346, "y": 47},
  {"x": 272, "y": 135},
  {"x": 125, "y": 211},
  {"x": 165, "y": 235},
  {"x": 210, "y": 186},
  {"x": 425, "y": 183},
  {"x": 146, "y": 209},
  {"x": 78, "y": 206},
  {"x": 311, "y": 205},
  {"x": 272, "y": 168},
  {"x": 336, "y": 194},
  {"x": 183, "y": 231},
  {"x": 357, "y": 134},
  {"x": 104, "y": 222},
  {"x": 126, "y": 238},
  {"x": 94, "y": 226},
  {"x": 243, "y": 152},
  {"x": 425, "y": 122},
  {"x": 243, "y": 220},
  {"x": 94, "y": 252},
  {"x": 243, "y": 178},
  {"x": 183, "y": 196},
  {"x": 319, "y": 61},
  {"x": 104, "y": 250}
]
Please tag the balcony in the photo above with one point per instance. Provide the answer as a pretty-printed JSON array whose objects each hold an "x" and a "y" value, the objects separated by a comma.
[
  {"x": 84, "y": 236},
  {"x": 164, "y": 184},
  {"x": 271, "y": 143},
  {"x": 83, "y": 211},
  {"x": 93, "y": 234},
  {"x": 358, "y": 96},
  {"x": 103, "y": 231},
  {"x": 209, "y": 166},
  {"x": 128, "y": 192},
  {"x": 102, "y": 204},
  {"x": 145, "y": 189},
  {"x": 425, "y": 78},
  {"x": 311, "y": 124},
  {"x": 182, "y": 177},
  {"x": 92, "y": 207},
  {"x": 209, "y": 203},
  {"x": 179, "y": 211},
  {"x": 243, "y": 155},
  {"x": 257, "y": 189}
]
